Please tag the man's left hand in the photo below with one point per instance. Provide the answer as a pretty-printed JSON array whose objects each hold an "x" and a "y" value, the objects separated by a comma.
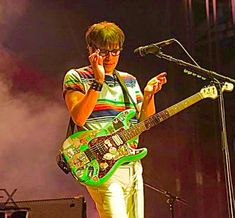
[{"x": 155, "y": 84}]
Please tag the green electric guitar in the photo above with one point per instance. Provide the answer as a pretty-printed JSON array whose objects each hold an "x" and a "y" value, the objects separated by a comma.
[{"x": 94, "y": 155}]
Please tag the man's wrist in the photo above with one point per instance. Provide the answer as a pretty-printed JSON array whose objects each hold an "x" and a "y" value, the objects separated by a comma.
[
  {"x": 96, "y": 85},
  {"x": 148, "y": 95}
]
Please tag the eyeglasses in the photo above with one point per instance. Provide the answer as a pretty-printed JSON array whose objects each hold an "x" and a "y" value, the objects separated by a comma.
[{"x": 114, "y": 52}]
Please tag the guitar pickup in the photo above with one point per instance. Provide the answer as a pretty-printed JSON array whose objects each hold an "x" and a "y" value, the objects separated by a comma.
[
  {"x": 89, "y": 155},
  {"x": 79, "y": 160}
]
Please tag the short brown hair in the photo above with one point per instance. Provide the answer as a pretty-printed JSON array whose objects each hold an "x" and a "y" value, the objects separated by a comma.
[{"x": 104, "y": 34}]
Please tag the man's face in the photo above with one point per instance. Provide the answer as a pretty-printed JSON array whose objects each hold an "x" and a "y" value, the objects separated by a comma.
[{"x": 110, "y": 55}]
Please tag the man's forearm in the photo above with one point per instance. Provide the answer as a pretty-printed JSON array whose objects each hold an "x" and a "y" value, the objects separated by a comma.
[
  {"x": 81, "y": 106},
  {"x": 148, "y": 107}
]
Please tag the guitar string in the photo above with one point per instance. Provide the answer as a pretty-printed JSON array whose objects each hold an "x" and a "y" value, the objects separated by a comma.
[
  {"x": 99, "y": 145},
  {"x": 155, "y": 119},
  {"x": 136, "y": 130}
]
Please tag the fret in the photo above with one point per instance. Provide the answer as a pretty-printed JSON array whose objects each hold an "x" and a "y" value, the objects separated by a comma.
[
  {"x": 132, "y": 132},
  {"x": 184, "y": 104},
  {"x": 159, "y": 117}
]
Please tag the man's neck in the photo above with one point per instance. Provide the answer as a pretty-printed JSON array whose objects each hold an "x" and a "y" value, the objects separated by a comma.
[{"x": 110, "y": 73}]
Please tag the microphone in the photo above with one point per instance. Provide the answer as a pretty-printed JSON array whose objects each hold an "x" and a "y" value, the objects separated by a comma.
[{"x": 154, "y": 48}]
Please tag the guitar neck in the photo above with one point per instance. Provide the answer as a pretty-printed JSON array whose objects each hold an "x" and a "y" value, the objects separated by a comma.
[{"x": 160, "y": 117}]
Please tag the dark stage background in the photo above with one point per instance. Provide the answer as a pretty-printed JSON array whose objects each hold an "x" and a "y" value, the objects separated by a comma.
[{"x": 41, "y": 40}]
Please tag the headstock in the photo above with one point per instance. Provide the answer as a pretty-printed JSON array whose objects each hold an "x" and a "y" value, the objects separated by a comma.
[{"x": 212, "y": 92}]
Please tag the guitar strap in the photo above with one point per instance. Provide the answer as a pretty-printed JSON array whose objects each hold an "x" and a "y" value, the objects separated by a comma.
[
  {"x": 127, "y": 96},
  {"x": 70, "y": 128}
]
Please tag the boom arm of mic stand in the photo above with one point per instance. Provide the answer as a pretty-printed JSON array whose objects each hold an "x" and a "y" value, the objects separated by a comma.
[{"x": 208, "y": 73}]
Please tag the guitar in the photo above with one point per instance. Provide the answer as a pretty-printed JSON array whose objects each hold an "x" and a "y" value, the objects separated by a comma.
[{"x": 94, "y": 155}]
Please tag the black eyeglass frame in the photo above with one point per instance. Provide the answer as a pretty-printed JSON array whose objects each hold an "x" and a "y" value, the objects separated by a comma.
[{"x": 104, "y": 52}]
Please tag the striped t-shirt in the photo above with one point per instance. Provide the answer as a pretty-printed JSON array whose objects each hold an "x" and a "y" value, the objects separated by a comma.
[{"x": 110, "y": 101}]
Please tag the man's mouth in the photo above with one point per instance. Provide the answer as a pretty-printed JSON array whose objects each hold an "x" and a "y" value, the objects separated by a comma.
[{"x": 108, "y": 63}]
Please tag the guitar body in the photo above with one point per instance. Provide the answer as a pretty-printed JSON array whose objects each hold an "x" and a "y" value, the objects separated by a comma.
[{"x": 94, "y": 155}]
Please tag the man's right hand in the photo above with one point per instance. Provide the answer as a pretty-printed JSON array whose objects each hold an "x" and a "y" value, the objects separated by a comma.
[{"x": 97, "y": 66}]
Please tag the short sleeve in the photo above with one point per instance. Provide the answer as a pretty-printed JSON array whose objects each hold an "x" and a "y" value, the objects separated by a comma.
[{"x": 72, "y": 81}]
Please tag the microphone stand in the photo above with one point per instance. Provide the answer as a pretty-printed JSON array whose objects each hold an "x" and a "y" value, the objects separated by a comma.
[
  {"x": 213, "y": 75},
  {"x": 218, "y": 80},
  {"x": 170, "y": 198}
]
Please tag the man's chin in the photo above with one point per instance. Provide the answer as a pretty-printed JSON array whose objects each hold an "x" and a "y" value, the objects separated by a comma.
[{"x": 109, "y": 69}]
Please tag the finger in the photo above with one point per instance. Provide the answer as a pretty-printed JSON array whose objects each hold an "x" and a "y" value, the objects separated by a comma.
[
  {"x": 162, "y": 79},
  {"x": 162, "y": 74},
  {"x": 95, "y": 53},
  {"x": 92, "y": 59},
  {"x": 157, "y": 87},
  {"x": 100, "y": 60},
  {"x": 153, "y": 81}
]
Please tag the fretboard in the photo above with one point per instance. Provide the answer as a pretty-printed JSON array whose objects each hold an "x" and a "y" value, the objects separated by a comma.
[{"x": 159, "y": 117}]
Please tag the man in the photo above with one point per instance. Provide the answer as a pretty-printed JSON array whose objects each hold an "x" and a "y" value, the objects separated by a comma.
[{"x": 94, "y": 96}]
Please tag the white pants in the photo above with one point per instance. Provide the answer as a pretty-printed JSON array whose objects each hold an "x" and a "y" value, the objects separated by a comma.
[{"x": 122, "y": 195}]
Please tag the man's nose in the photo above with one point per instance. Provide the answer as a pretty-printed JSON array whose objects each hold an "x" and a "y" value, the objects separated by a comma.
[{"x": 109, "y": 55}]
